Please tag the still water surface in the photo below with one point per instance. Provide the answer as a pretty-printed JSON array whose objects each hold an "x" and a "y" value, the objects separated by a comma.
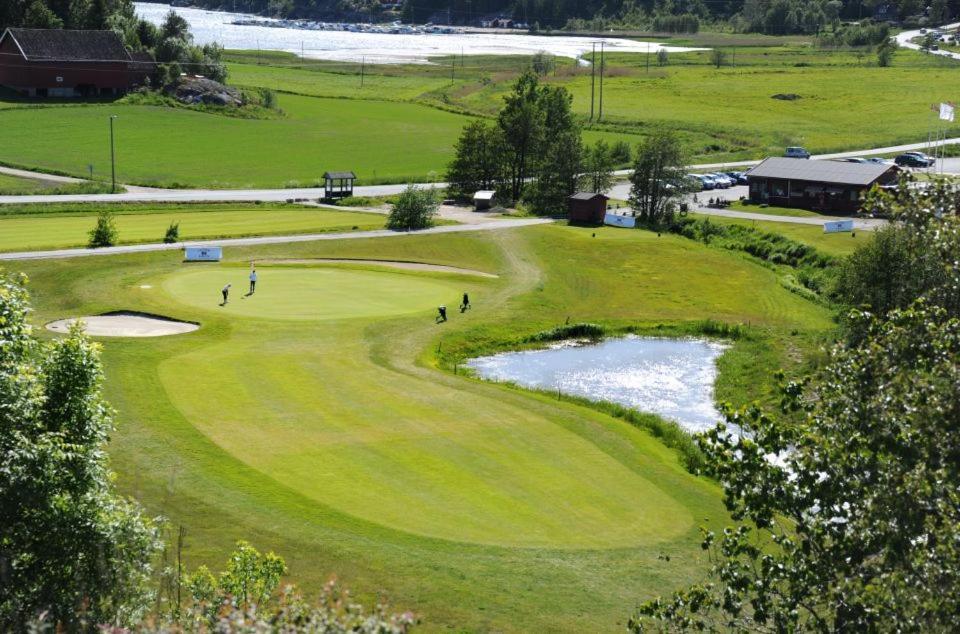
[{"x": 670, "y": 377}]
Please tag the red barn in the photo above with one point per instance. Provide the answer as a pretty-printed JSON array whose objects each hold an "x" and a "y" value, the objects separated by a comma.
[{"x": 61, "y": 63}]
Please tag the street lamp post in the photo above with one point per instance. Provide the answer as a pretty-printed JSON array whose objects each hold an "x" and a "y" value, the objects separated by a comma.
[{"x": 113, "y": 159}]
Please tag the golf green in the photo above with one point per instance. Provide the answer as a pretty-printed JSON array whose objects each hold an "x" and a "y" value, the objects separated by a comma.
[
  {"x": 296, "y": 406},
  {"x": 312, "y": 292}
]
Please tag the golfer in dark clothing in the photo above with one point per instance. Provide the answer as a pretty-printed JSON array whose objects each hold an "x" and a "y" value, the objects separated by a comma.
[
  {"x": 442, "y": 313},
  {"x": 226, "y": 293},
  {"x": 466, "y": 303}
]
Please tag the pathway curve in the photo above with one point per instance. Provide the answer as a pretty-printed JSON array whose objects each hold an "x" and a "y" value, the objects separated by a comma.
[
  {"x": 905, "y": 38},
  {"x": 244, "y": 242},
  {"x": 39, "y": 176}
]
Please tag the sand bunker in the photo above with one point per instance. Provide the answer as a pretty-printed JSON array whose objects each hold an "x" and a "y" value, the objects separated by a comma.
[
  {"x": 394, "y": 264},
  {"x": 126, "y": 324}
]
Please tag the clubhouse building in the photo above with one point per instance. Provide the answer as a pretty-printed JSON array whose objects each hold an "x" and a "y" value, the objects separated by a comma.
[
  {"x": 827, "y": 186},
  {"x": 62, "y": 63}
]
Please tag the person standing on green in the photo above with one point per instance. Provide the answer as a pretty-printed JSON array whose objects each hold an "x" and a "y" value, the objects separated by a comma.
[
  {"x": 225, "y": 291},
  {"x": 253, "y": 281}
]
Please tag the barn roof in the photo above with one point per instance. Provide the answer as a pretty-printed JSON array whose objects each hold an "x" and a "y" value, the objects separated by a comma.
[
  {"x": 68, "y": 46},
  {"x": 838, "y": 172},
  {"x": 485, "y": 194},
  {"x": 587, "y": 196}
]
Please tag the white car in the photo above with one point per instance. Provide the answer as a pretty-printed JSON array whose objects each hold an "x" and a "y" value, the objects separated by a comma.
[{"x": 722, "y": 180}]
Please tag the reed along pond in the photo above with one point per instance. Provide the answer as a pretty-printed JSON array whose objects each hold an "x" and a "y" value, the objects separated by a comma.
[{"x": 670, "y": 377}]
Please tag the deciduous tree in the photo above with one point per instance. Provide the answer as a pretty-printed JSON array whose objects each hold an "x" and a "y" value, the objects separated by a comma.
[
  {"x": 659, "y": 177},
  {"x": 70, "y": 547}
]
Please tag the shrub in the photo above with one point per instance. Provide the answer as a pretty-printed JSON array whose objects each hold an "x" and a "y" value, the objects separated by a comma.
[
  {"x": 414, "y": 209},
  {"x": 104, "y": 234},
  {"x": 173, "y": 233},
  {"x": 569, "y": 331}
]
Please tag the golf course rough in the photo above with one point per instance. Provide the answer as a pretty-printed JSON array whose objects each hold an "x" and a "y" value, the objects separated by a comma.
[{"x": 286, "y": 405}]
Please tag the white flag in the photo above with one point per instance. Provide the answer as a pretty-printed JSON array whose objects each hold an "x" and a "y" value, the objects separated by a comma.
[{"x": 946, "y": 112}]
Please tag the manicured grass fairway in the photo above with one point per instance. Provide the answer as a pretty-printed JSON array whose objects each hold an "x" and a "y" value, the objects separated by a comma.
[
  {"x": 299, "y": 292},
  {"x": 334, "y": 441},
  {"x": 71, "y": 228}
]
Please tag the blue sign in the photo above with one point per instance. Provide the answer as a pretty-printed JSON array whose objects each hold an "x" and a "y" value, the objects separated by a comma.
[{"x": 203, "y": 254}]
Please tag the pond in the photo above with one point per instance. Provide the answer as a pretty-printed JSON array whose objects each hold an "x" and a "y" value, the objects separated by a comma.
[
  {"x": 670, "y": 377},
  {"x": 380, "y": 48}
]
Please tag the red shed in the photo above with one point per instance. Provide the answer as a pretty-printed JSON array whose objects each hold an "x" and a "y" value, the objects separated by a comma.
[
  {"x": 62, "y": 63},
  {"x": 587, "y": 208}
]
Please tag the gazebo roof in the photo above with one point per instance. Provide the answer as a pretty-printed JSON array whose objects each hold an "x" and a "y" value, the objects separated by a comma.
[{"x": 339, "y": 175}]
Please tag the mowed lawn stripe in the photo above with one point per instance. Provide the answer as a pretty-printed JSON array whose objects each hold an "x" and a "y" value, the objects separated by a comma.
[{"x": 55, "y": 231}]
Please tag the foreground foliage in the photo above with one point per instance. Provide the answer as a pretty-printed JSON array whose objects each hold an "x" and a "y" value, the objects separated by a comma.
[
  {"x": 850, "y": 520},
  {"x": 70, "y": 547}
]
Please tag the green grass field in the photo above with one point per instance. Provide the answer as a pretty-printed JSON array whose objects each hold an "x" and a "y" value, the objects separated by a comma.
[
  {"x": 402, "y": 123},
  {"x": 311, "y": 417},
  {"x": 52, "y": 227},
  {"x": 14, "y": 185},
  {"x": 175, "y": 146},
  {"x": 830, "y": 243}
]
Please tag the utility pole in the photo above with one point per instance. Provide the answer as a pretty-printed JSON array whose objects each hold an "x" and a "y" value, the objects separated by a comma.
[
  {"x": 593, "y": 72},
  {"x": 363, "y": 63},
  {"x": 113, "y": 159},
  {"x": 648, "y": 58},
  {"x": 600, "y": 115}
]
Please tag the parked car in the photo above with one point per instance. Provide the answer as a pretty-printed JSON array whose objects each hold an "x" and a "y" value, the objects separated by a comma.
[
  {"x": 878, "y": 160},
  {"x": 694, "y": 183},
  {"x": 722, "y": 180},
  {"x": 797, "y": 152},
  {"x": 740, "y": 178},
  {"x": 856, "y": 159},
  {"x": 914, "y": 159},
  {"x": 708, "y": 183}
]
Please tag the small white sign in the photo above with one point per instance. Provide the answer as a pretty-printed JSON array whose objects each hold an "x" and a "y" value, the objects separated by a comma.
[
  {"x": 838, "y": 226},
  {"x": 203, "y": 254},
  {"x": 615, "y": 220}
]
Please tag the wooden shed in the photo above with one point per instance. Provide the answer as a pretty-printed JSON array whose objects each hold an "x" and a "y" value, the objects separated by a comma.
[
  {"x": 587, "y": 208},
  {"x": 485, "y": 199},
  {"x": 338, "y": 184}
]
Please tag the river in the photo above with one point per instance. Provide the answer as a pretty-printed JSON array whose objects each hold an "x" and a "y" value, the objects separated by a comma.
[{"x": 379, "y": 48}]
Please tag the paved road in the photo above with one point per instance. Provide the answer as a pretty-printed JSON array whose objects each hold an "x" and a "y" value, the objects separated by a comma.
[
  {"x": 146, "y": 194},
  {"x": 243, "y": 242},
  {"x": 39, "y": 176},
  {"x": 903, "y": 39}
]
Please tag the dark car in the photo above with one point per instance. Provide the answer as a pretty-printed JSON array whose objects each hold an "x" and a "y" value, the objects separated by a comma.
[
  {"x": 914, "y": 159},
  {"x": 739, "y": 177}
]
